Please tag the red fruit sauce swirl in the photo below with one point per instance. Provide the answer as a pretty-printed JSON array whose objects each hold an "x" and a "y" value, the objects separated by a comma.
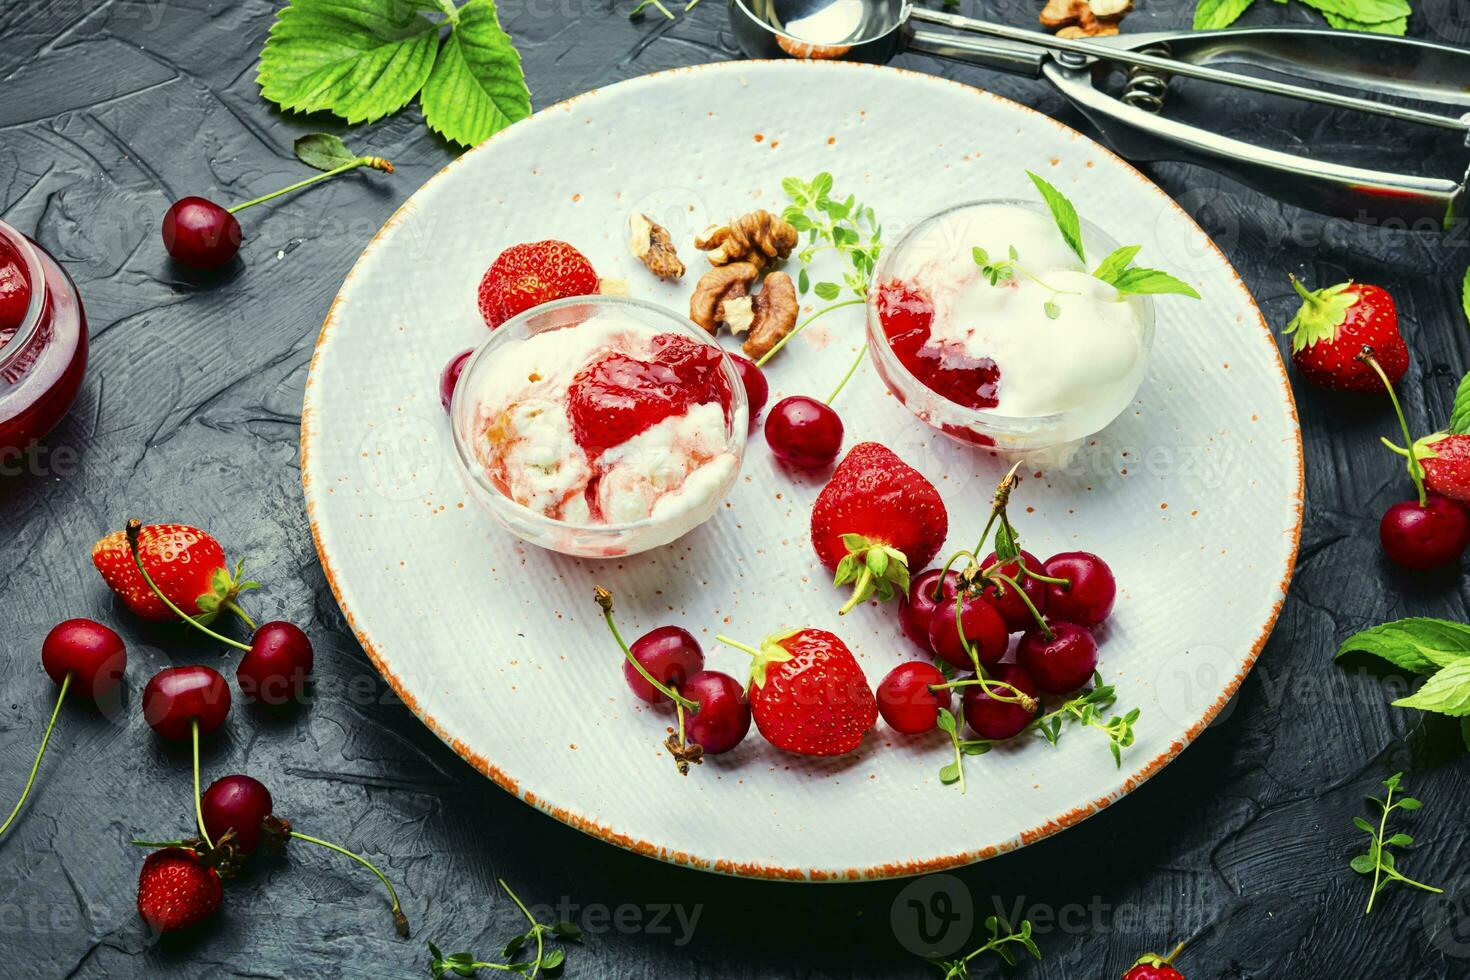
[{"x": 906, "y": 313}]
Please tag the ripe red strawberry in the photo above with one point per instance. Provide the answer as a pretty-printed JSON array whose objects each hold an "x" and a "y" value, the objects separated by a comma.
[
  {"x": 1152, "y": 966},
  {"x": 808, "y": 695},
  {"x": 187, "y": 565},
  {"x": 528, "y": 275},
  {"x": 177, "y": 889},
  {"x": 1446, "y": 461},
  {"x": 876, "y": 519},
  {"x": 1332, "y": 328}
]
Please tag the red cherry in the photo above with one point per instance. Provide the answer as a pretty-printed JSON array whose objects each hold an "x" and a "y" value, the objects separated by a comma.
[
  {"x": 93, "y": 654},
  {"x": 200, "y": 233},
  {"x": 1147, "y": 971},
  {"x": 984, "y": 628},
  {"x": 1062, "y": 664},
  {"x": 1088, "y": 597},
  {"x": 998, "y": 720},
  {"x": 177, "y": 697},
  {"x": 275, "y": 669},
  {"x": 1427, "y": 536},
  {"x": 803, "y": 432},
  {"x": 754, "y": 380},
  {"x": 723, "y": 718},
  {"x": 905, "y": 698},
  {"x": 449, "y": 377},
  {"x": 671, "y": 654},
  {"x": 916, "y": 609},
  {"x": 238, "y": 802},
  {"x": 1007, "y": 601}
]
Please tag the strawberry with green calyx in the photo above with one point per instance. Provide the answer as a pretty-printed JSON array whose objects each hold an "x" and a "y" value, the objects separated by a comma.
[
  {"x": 1334, "y": 324},
  {"x": 1442, "y": 459},
  {"x": 180, "y": 885},
  {"x": 876, "y": 519},
  {"x": 187, "y": 564},
  {"x": 1152, "y": 966},
  {"x": 807, "y": 693}
]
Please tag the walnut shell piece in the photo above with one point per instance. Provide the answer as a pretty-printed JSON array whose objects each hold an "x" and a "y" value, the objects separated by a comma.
[
  {"x": 758, "y": 238},
  {"x": 651, "y": 244},
  {"x": 717, "y": 289},
  {"x": 1085, "y": 18},
  {"x": 775, "y": 309}
]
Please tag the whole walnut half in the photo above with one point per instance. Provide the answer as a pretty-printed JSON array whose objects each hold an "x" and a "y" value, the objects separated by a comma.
[
  {"x": 1085, "y": 18},
  {"x": 718, "y": 287},
  {"x": 757, "y": 238},
  {"x": 773, "y": 315}
]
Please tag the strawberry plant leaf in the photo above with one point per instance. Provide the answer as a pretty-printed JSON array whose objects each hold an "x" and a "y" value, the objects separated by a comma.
[
  {"x": 1409, "y": 644},
  {"x": 1152, "y": 281},
  {"x": 360, "y": 61},
  {"x": 1063, "y": 212},
  {"x": 323, "y": 151},
  {"x": 477, "y": 87},
  {"x": 1211, "y": 15},
  {"x": 1447, "y": 692}
]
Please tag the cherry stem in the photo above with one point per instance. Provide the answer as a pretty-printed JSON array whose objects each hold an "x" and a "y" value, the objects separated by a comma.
[
  {"x": 604, "y": 599},
  {"x": 959, "y": 627},
  {"x": 134, "y": 528},
  {"x": 35, "y": 766},
  {"x": 944, "y": 573},
  {"x": 377, "y": 163},
  {"x": 400, "y": 921},
  {"x": 198, "y": 804},
  {"x": 1416, "y": 470},
  {"x": 159, "y": 843},
  {"x": 234, "y": 607},
  {"x": 862, "y": 356},
  {"x": 990, "y": 687},
  {"x": 761, "y": 361},
  {"x": 1035, "y": 613}
]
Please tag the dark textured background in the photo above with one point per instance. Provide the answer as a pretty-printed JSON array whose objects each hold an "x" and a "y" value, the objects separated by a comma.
[{"x": 190, "y": 412}]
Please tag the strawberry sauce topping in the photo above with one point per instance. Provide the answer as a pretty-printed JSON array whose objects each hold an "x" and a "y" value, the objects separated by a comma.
[
  {"x": 618, "y": 397},
  {"x": 907, "y": 313}
]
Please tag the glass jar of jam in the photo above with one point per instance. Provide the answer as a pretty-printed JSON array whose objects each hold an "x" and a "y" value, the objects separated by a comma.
[{"x": 43, "y": 341}]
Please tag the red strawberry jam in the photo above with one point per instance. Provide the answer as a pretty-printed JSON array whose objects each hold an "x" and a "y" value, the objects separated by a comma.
[
  {"x": 906, "y": 313},
  {"x": 15, "y": 293},
  {"x": 618, "y": 397}
]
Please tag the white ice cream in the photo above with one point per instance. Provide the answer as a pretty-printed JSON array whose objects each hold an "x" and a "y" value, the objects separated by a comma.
[
  {"x": 672, "y": 471},
  {"x": 1089, "y": 358}
]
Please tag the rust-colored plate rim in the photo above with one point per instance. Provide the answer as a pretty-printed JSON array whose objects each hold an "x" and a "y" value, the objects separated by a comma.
[{"x": 610, "y": 835}]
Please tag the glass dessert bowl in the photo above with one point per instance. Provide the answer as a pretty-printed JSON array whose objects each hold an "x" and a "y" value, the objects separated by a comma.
[
  {"x": 43, "y": 341},
  {"x": 986, "y": 325},
  {"x": 599, "y": 426}
]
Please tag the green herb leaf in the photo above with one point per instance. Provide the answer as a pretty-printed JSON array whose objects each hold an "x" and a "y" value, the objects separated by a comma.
[
  {"x": 1398, "y": 27},
  {"x": 1447, "y": 692},
  {"x": 1460, "y": 413},
  {"x": 1140, "y": 281},
  {"x": 1409, "y": 644},
  {"x": 477, "y": 87},
  {"x": 1063, "y": 212},
  {"x": 360, "y": 61},
  {"x": 1211, "y": 15},
  {"x": 1112, "y": 267},
  {"x": 1052, "y": 309},
  {"x": 1465, "y": 295},
  {"x": 323, "y": 151},
  {"x": 827, "y": 290}
]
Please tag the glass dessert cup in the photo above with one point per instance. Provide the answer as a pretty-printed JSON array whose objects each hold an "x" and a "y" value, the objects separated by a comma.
[
  {"x": 43, "y": 341},
  {"x": 589, "y": 540},
  {"x": 1045, "y": 438}
]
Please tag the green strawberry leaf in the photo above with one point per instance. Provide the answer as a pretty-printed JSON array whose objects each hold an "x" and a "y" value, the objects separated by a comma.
[
  {"x": 1064, "y": 214},
  {"x": 360, "y": 61},
  {"x": 1447, "y": 692},
  {"x": 323, "y": 151},
  {"x": 477, "y": 87},
  {"x": 1151, "y": 281},
  {"x": 1211, "y": 15},
  {"x": 1420, "y": 644},
  {"x": 1321, "y": 314}
]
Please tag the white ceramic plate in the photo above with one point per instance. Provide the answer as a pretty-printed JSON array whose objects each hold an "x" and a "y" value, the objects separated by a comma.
[{"x": 1194, "y": 495}]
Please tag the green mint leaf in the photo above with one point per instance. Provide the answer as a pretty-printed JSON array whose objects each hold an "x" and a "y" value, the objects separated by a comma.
[
  {"x": 1409, "y": 644},
  {"x": 1211, "y": 15},
  {"x": 1460, "y": 414},
  {"x": 553, "y": 960},
  {"x": 821, "y": 186},
  {"x": 981, "y": 257},
  {"x": 360, "y": 61},
  {"x": 477, "y": 87},
  {"x": 1364, "y": 11},
  {"x": 1363, "y": 864},
  {"x": 324, "y": 152},
  {"x": 1398, "y": 26},
  {"x": 795, "y": 189},
  {"x": 1063, "y": 212},
  {"x": 1111, "y": 267},
  {"x": 1447, "y": 692},
  {"x": 1465, "y": 295},
  {"x": 828, "y": 290},
  {"x": 1140, "y": 281}
]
